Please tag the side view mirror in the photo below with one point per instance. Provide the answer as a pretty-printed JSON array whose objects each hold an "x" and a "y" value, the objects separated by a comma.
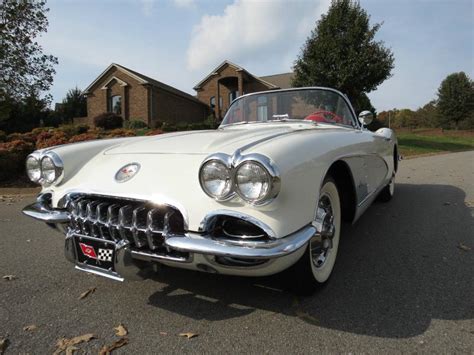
[{"x": 366, "y": 117}]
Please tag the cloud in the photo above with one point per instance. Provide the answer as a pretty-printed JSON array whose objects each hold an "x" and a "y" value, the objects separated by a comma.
[
  {"x": 257, "y": 29},
  {"x": 147, "y": 7},
  {"x": 185, "y": 4}
]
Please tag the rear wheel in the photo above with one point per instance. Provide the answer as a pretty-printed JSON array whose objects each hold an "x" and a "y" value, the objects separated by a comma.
[{"x": 314, "y": 268}]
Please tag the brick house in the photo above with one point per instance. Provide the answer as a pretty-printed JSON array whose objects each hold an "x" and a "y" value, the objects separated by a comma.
[
  {"x": 229, "y": 80},
  {"x": 135, "y": 96}
]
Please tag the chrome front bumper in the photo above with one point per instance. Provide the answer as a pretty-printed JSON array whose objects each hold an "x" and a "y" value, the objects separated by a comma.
[{"x": 276, "y": 254}]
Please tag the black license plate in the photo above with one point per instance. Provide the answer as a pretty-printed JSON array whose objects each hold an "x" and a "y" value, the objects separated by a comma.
[{"x": 95, "y": 252}]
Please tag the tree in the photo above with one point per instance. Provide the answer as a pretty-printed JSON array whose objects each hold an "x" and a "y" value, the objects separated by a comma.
[
  {"x": 341, "y": 53},
  {"x": 25, "y": 68},
  {"x": 74, "y": 104},
  {"x": 455, "y": 99}
]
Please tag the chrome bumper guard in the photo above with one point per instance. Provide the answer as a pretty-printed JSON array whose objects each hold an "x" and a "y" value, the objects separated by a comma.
[{"x": 194, "y": 242}]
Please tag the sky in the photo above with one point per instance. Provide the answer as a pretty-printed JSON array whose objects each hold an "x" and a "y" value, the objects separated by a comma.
[{"x": 179, "y": 42}]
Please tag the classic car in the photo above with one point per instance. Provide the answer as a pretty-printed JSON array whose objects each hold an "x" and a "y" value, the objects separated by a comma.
[{"x": 266, "y": 192}]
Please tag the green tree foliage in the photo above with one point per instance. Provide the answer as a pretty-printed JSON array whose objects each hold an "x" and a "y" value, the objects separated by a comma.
[
  {"x": 455, "y": 100},
  {"x": 341, "y": 52},
  {"x": 24, "y": 114},
  {"x": 74, "y": 104},
  {"x": 24, "y": 66}
]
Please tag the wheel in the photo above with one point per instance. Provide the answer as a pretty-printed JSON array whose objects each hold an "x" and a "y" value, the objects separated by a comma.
[
  {"x": 314, "y": 268},
  {"x": 388, "y": 191}
]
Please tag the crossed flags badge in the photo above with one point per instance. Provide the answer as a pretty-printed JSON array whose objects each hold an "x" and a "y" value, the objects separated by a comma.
[{"x": 103, "y": 255}]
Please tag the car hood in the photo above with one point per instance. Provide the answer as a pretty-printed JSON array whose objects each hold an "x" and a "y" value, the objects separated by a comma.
[{"x": 225, "y": 140}]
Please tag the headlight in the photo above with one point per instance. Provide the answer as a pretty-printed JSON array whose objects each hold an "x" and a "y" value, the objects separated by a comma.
[
  {"x": 216, "y": 180},
  {"x": 51, "y": 168},
  {"x": 253, "y": 182},
  {"x": 33, "y": 168}
]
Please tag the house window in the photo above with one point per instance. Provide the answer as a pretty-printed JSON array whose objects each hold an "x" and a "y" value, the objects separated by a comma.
[
  {"x": 232, "y": 96},
  {"x": 115, "y": 104},
  {"x": 262, "y": 108},
  {"x": 212, "y": 102}
]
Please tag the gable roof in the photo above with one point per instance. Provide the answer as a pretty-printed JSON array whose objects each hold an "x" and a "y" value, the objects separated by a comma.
[
  {"x": 283, "y": 81},
  {"x": 237, "y": 68},
  {"x": 143, "y": 80}
]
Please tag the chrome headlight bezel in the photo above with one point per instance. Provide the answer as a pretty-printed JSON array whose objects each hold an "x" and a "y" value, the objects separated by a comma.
[
  {"x": 272, "y": 176},
  {"x": 36, "y": 159},
  {"x": 58, "y": 167},
  {"x": 224, "y": 162},
  {"x": 233, "y": 164}
]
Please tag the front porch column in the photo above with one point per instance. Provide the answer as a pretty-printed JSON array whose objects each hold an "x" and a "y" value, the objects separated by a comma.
[
  {"x": 240, "y": 84},
  {"x": 218, "y": 101}
]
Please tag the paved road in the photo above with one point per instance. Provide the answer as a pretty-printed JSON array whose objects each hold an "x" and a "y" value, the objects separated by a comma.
[{"x": 401, "y": 283}]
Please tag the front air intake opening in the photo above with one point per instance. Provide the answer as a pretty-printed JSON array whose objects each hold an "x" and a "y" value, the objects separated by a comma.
[{"x": 230, "y": 227}]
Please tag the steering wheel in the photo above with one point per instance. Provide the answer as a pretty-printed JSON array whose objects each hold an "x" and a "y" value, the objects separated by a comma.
[{"x": 324, "y": 116}]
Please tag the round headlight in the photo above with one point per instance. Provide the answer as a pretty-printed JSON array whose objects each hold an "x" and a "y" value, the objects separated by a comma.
[
  {"x": 50, "y": 171},
  {"x": 215, "y": 179},
  {"x": 253, "y": 182},
  {"x": 33, "y": 168}
]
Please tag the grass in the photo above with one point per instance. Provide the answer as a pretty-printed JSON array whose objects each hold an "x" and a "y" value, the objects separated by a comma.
[{"x": 431, "y": 142}]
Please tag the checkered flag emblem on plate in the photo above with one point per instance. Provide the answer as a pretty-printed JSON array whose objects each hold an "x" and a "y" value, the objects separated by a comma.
[{"x": 105, "y": 254}]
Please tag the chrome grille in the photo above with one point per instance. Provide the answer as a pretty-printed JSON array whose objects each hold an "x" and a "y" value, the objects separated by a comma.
[{"x": 143, "y": 225}]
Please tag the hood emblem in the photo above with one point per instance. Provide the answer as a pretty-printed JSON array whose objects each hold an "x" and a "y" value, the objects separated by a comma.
[{"x": 126, "y": 172}]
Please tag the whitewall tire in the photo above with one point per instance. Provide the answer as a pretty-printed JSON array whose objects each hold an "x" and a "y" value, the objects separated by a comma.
[{"x": 317, "y": 263}]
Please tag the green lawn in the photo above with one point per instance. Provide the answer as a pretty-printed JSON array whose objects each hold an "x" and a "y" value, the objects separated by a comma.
[{"x": 415, "y": 144}]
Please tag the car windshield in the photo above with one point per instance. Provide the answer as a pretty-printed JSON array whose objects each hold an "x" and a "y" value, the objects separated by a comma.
[{"x": 317, "y": 105}]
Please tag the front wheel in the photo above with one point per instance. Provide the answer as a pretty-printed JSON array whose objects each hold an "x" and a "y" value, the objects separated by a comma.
[
  {"x": 314, "y": 268},
  {"x": 388, "y": 191}
]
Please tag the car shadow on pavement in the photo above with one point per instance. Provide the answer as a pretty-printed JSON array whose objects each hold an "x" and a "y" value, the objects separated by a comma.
[{"x": 401, "y": 266}]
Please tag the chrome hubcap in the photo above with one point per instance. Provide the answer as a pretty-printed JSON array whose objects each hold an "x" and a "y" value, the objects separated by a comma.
[{"x": 321, "y": 244}]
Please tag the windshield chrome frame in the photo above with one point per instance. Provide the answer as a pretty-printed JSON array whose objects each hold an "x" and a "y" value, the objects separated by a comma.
[{"x": 344, "y": 97}]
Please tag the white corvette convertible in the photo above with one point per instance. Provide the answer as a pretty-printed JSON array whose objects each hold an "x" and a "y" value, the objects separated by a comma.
[{"x": 265, "y": 192}]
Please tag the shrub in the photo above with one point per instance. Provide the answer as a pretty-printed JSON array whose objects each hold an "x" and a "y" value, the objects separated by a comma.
[
  {"x": 12, "y": 159},
  {"x": 169, "y": 127},
  {"x": 120, "y": 132},
  {"x": 51, "y": 138},
  {"x": 29, "y": 137},
  {"x": 108, "y": 120},
  {"x": 135, "y": 124},
  {"x": 72, "y": 130},
  {"x": 154, "y": 132},
  {"x": 3, "y": 136},
  {"x": 84, "y": 137}
]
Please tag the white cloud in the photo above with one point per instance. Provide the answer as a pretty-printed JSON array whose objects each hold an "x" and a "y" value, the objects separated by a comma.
[
  {"x": 249, "y": 28},
  {"x": 185, "y": 4}
]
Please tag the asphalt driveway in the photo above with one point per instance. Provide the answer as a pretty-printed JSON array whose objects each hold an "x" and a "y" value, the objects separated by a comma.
[{"x": 403, "y": 282}]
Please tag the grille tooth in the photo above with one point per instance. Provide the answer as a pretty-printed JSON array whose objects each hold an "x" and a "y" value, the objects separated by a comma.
[
  {"x": 138, "y": 226},
  {"x": 138, "y": 223},
  {"x": 112, "y": 220},
  {"x": 151, "y": 229},
  {"x": 125, "y": 221}
]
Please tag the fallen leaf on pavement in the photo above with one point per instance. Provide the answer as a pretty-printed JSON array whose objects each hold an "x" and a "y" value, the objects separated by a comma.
[
  {"x": 188, "y": 335},
  {"x": 306, "y": 317},
  {"x": 64, "y": 343},
  {"x": 87, "y": 293},
  {"x": 29, "y": 328},
  {"x": 163, "y": 333},
  {"x": 106, "y": 350},
  {"x": 3, "y": 345},
  {"x": 121, "y": 330},
  {"x": 463, "y": 247},
  {"x": 9, "y": 277},
  {"x": 70, "y": 350}
]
